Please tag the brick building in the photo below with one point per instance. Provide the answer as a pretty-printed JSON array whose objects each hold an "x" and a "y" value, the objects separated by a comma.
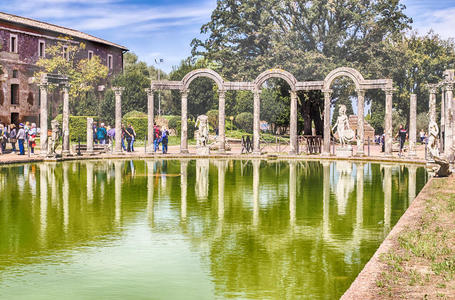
[{"x": 23, "y": 42}]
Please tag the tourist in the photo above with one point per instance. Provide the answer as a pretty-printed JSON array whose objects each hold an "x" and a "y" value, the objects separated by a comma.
[
  {"x": 422, "y": 136},
  {"x": 157, "y": 138},
  {"x": 21, "y": 138},
  {"x": 95, "y": 130},
  {"x": 12, "y": 137},
  {"x": 129, "y": 132},
  {"x": 383, "y": 142},
  {"x": 110, "y": 135},
  {"x": 32, "y": 138},
  {"x": 133, "y": 137},
  {"x": 123, "y": 137},
  {"x": 101, "y": 134},
  {"x": 402, "y": 134},
  {"x": 164, "y": 140},
  {"x": 3, "y": 138}
]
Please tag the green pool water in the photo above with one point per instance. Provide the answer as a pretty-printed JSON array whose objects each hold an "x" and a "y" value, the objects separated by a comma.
[{"x": 195, "y": 229}]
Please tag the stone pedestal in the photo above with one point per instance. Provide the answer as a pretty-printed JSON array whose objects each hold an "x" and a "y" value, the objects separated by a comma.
[{"x": 344, "y": 152}]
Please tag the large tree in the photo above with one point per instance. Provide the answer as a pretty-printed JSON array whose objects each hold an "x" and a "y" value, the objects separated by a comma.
[{"x": 307, "y": 38}]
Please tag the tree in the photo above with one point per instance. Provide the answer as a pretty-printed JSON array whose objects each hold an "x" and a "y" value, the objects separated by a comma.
[{"x": 307, "y": 38}]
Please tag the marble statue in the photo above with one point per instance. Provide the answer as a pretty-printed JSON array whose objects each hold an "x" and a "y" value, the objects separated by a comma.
[
  {"x": 344, "y": 131},
  {"x": 433, "y": 146},
  {"x": 55, "y": 138},
  {"x": 202, "y": 135}
]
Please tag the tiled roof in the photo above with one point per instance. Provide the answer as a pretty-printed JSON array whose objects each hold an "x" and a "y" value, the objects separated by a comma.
[{"x": 56, "y": 28}]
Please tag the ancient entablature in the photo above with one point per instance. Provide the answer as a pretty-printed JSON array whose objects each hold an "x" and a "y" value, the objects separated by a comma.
[{"x": 295, "y": 86}]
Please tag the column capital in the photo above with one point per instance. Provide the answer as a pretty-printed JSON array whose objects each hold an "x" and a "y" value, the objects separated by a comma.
[
  {"x": 118, "y": 90},
  {"x": 185, "y": 92},
  {"x": 293, "y": 93},
  {"x": 449, "y": 87},
  {"x": 432, "y": 88},
  {"x": 43, "y": 85},
  {"x": 327, "y": 91},
  {"x": 149, "y": 91},
  {"x": 221, "y": 93},
  {"x": 257, "y": 91},
  {"x": 388, "y": 91},
  {"x": 360, "y": 92}
]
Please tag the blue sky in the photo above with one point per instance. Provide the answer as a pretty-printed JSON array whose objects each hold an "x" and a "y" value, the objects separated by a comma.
[{"x": 165, "y": 28}]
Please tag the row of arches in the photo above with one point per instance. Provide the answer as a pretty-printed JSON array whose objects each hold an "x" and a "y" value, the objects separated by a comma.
[{"x": 255, "y": 86}]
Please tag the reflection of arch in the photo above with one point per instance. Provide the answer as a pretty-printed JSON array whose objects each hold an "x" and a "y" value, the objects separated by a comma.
[
  {"x": 344, "y": 71},
  {"x": 202, "y": 73},
  {"x": 275, "y": 73}
]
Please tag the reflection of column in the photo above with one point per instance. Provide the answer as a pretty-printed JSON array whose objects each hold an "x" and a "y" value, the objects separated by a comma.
[
  {"x": 360, "y": 122},
  {"x": 256, "y": 122},
  {"x": 43, "y": 118},
  {"x": 388, "y": 121},
  {"x": 292, "y": 191},
  {"x": 118, "y": 118},
  {"x": 118, "y": 191},
  {"x": 221, "y": 120},
  {"x": 325, "y": 198},
  {"x": 150, "y": 119},
  {"x": 66, "y": 194},
  {"x": 256, "y": 165},
  {"x": 221, "y": 176},
  {"x": 43, "y": 201},
  {"x": 89, "y": 167},
  {"x": 387, "y": 187},
  {"x": 184, "y": 136},
  {"x": 89, "y": 135},
  {"x": 293, "y": 123},
  {"x": 65, "y": 120},
  {"x": 150, "y": 178},
  {"x": 327, "y": 103},
  {"x": 202, "y": 178},
  {"x": 183, "y": 187},
  {"x": 412, "y": 172},
  {"x": 412, "y": 125},
  {"x": 359, "y": 209}
]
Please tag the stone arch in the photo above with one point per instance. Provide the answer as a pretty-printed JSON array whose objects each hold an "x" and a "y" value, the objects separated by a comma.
[
  {"x": 203, "y": 73},
  {"x": 275, "y": 73},
  {"x": 355, "y": 76}
]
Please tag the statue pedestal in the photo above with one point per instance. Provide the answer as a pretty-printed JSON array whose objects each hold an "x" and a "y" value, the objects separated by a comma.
[
  {"x": 202, "y": 150},
  {"x": 344, "y": 152}
]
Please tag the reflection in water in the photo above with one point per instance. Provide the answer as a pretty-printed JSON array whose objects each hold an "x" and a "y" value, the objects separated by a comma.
[
  {"x": 202, "y": 178},
  {"x": 272, "y": 230}
]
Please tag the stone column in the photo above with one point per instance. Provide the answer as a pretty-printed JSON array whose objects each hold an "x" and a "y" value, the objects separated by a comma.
[
  {"x": 325, "y": 198},
  {"x": 221, "y": 121},
  {"x": 387, "y": 187},
  {"x": 150, "y": 120},
  {"x": 65, "y": 122},
  {"x": 65, "y": 196},
  {"x": 256, "y": 122},
  {"x": 360, "y": 122},
  {"x": 43, "y": 201},
  {"x": 183, "y": 187},
  {"x": 118, "y": 191},
  {"x": 150, "y": 178},
  {"x": 388, "y": 121},
  {"x": 293, "y": 124},
  {"x": 184, "y": 136},
  {"x": 412, "y": 125},
  {"x": 43, "y": 119},
  {"x": 89, "y": 135},
  {"x": 359, "y": 188},
  {"x": 221, "y": 178},
  {"x": 448, "y": 151},
  {"x": 443, "y": 121},
  {"x": 118, "y": 119},
  {"x": 89, "y": 169},
  {"x": 327, "y": 104}
]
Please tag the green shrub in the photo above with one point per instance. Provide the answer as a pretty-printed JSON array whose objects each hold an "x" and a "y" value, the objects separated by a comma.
[
  {"x": 78, "y": 127},
  {"x": 139, "y": 125},
  {"x": 174, "y": 122},
  {"x": 245, "y": 121},
  {"x": 213, "y": 118},
  {"x": 178, "y": 127}
]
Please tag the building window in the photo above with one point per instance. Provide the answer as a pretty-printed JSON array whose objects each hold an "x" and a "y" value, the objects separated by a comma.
[
  {"x": 110, "y": 61},
  {"x": 90, "y": 54},
  {"x": 14, "y": 94},
  {"x": 14, "y": 73},
  {"x": 13, "y": 43},
  {"x": 66, "y": 54},
  {"x": 41, "y": 48}
]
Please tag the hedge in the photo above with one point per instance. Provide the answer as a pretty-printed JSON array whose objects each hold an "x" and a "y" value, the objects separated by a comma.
[
  {"x": 245, "y": 121},
  {"x": 78, "y": 127},
  {"x": 139, "y": 125}
]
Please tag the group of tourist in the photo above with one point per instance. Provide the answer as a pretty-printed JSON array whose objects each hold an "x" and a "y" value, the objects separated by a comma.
[
  {"x": 24, "y": 135},
  {"x": 105, "y": 135},
  {"x": 160, "y": 136}
]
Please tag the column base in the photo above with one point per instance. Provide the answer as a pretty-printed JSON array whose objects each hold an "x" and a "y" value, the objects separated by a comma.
[
  {"x": 256, "y": 152},
  {"x": 325, "y": 154},
  {"x": 116, "y": 152},
  {"x": 292, "y": 152},
  {"x": 184, "y": 151},
  {"x": 360, "y": 153}
]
